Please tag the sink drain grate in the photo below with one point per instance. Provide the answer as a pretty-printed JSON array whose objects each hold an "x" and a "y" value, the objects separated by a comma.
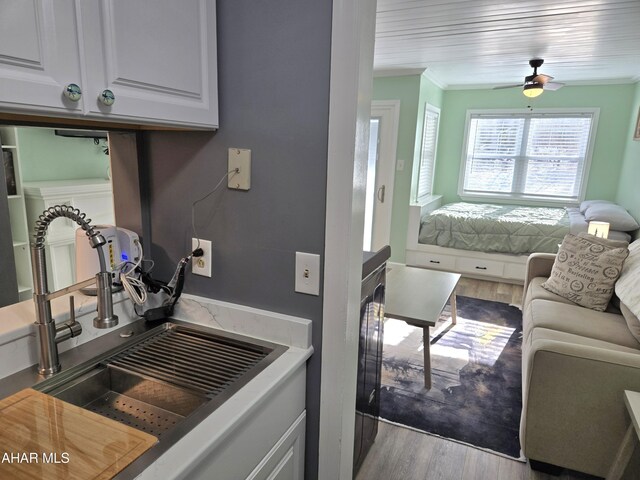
[
  {"x": 192, "y": 359},
  {"x": 135, "y": 413}
]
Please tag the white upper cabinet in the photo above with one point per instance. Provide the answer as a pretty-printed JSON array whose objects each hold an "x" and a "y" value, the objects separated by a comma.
[
  {"x": 156, "y": 56},
  {"x": 39, "y": 55},
  {"x": 147, "y": 61}
]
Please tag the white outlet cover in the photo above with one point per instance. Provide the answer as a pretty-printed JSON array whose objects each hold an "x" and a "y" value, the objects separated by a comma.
[
  {"x": 239, "y": 158},
  {"x": 307, "y": 273},
  {"x": 201, "y": 265}
]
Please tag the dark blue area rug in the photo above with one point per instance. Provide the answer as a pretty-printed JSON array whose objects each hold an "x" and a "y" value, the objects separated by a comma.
[{"x": 476, "y": 396}]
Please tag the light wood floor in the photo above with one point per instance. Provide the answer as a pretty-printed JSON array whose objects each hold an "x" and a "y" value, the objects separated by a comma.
[
  {"x": 403, "y": 454},
  {"x": 496, "y": 291}
]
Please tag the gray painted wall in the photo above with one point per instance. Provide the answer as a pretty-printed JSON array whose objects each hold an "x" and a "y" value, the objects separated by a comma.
[{"x": 273, "y": 63}]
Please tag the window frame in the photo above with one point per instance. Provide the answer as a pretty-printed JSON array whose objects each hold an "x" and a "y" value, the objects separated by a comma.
[
  {"x": 520, "y": 198},
  {"x": 433, "y": 109}
]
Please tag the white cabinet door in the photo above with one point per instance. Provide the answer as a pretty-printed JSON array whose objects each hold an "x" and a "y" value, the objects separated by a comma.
[
  {"x": 38, "y": 56},
  {"x": 158, "y": 57}
]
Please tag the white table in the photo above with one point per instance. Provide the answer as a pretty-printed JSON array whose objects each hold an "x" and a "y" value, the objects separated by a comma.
[
  {"x": 631, "y": 437},
  {"x": 418, "y": 296}
]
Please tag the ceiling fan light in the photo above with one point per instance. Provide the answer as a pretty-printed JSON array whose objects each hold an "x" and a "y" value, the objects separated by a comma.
[{"x": 532, "y": 89}]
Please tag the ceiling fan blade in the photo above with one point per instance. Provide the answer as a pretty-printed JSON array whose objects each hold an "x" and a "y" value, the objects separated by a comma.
[
  {"x": 508, "y": 86},
  {"x": 542, "y": 78},
  {"x": 551, "y": 86}
]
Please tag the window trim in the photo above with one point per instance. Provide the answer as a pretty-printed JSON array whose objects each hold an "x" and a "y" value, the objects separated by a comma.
[
  {"x": 523, "y": 199},
  {"x": 433, "y": 109}
]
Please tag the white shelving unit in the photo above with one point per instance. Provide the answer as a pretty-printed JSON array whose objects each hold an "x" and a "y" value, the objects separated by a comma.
[{"x": 18, "y": 216}]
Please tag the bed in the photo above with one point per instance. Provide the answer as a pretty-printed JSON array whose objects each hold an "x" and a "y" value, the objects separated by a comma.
[
  {"x": 487, "y": 240},
  {"x": 493, "y": 228}
]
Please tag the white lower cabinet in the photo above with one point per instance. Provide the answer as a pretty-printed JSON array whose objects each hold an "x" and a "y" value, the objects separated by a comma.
[
  {"x": 267, "y": 444},
  {"x": 285, "y": 461}
]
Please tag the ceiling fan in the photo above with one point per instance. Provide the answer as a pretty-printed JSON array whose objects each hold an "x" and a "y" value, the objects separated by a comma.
[{"x": 535, "y": 83}]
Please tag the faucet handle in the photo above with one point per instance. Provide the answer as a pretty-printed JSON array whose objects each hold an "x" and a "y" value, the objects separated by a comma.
[
  {"x": 72, "y": 309},
  {"x": 70, "y": 328}
]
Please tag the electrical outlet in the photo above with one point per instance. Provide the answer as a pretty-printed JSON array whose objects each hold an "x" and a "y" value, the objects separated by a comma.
[
  {"x": 307, "y": 273},
  {"x": 201, "y": 265},
  {"x": 240, "y": 165}
]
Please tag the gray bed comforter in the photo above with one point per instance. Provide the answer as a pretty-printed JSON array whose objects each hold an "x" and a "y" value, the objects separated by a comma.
[{"x": 495, "y": 228}]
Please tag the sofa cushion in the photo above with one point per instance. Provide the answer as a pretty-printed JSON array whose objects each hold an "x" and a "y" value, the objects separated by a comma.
[
  {"x": 627, "y": 285},
  {"x": 607, "y": 327},
  {"x": 535, "y": 291},
  {"x": 586, "y": 269}
]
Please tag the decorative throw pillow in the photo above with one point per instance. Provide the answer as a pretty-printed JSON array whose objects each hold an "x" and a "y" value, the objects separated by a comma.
[{"x": 586, "y": 269}]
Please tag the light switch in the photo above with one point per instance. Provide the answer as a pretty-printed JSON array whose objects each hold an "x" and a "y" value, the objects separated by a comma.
[
  {"x": 239, "y": 168},
  {"x": 307, "y": 273}
]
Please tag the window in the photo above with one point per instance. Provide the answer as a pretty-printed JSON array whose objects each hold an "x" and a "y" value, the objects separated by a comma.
[
  {"x": 428, "y": 152},
  {"x": 530, "y": 156}
]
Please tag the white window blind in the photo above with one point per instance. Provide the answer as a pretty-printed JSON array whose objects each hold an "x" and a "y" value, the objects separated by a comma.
[
  {"x": 428, "y": 152},
  {"x": 536, "y": 156}
]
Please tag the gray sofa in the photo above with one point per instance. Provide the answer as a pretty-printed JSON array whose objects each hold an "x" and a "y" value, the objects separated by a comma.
[{"x": 576, "y": 364}]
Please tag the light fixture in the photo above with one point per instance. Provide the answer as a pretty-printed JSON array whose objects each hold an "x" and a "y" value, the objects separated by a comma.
[
  {"x": 599, "y": 229},
  {"x": 532, "y": 89}
]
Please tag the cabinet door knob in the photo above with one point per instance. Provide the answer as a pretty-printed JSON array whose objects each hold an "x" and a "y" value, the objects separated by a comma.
[
  {"x": 107, "y": 97},
  {"x": 73, "y": 92}
]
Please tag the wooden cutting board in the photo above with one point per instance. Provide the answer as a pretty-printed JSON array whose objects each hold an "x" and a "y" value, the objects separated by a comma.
[{"x": 42, "y": 437}]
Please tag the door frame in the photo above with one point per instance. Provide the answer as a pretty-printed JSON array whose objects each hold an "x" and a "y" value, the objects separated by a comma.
[
  {"x": 389, "y": 113},
  {"x": 352, "y": 42}
]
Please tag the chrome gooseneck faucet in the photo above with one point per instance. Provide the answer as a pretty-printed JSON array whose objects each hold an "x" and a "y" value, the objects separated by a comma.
[{"x": 50, "y": 334}]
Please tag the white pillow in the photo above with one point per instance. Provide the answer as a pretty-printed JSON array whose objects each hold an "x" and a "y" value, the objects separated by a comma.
[
  {"x": 587, "y": 203},
  {"x": 627, "y": 285},
  {"x": 617, "y": 217}
]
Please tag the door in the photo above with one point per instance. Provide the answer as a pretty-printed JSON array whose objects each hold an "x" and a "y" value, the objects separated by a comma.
[
  {"x": 39, "y": 55},
  {"x": 158, "y": 57},
  {"x": 383, "y": 139}
]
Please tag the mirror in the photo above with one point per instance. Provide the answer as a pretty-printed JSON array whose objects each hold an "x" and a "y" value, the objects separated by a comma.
[{"x": 43, "y": 167}]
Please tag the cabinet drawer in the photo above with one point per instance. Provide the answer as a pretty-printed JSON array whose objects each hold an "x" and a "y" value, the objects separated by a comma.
[
  {"x": 480, "y": 267},
  {"x": 440, "y": 262},
  {"x": 516, "y": 271}
]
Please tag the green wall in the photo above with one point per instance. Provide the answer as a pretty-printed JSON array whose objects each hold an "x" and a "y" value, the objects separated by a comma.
[
  {"x": 629, "y": 185},
  {"x": 46, "y": 156},
  {"x": 413, "y": 91},
  {"x": 614, "y": 102}
]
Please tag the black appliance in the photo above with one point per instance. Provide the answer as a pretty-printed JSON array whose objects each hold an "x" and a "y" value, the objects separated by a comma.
[{"x": 370, "y": 352}]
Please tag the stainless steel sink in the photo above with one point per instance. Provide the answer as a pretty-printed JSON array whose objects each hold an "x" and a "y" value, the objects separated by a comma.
[
  {"x": 165, "y": 381},
  {"x": 140, "y": 402}
]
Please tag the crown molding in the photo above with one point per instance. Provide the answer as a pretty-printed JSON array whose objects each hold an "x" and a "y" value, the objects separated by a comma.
[
  {"x": 437, "y": 82},
  {"x": 398, "y": 72}
]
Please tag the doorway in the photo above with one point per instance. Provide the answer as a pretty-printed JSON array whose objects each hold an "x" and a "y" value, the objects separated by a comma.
[{"x": 381, "y": 166}]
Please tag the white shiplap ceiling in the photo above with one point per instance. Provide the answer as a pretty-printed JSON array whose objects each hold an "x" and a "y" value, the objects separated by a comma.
[{"x": 464, "y": 43}]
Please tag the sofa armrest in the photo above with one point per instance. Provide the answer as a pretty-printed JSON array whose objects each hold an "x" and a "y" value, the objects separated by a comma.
[
  {"x": 573, "y": 407},
  {"x": 538, "y": 265}
]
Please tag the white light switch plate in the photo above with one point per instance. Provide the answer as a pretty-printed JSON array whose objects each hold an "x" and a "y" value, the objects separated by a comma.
[
  {"x": 239, "y": 158},
  {"x": 201, "y": 265},
  {"x": 400, "y": 165},
  {"x": 307, "y": 273}
]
